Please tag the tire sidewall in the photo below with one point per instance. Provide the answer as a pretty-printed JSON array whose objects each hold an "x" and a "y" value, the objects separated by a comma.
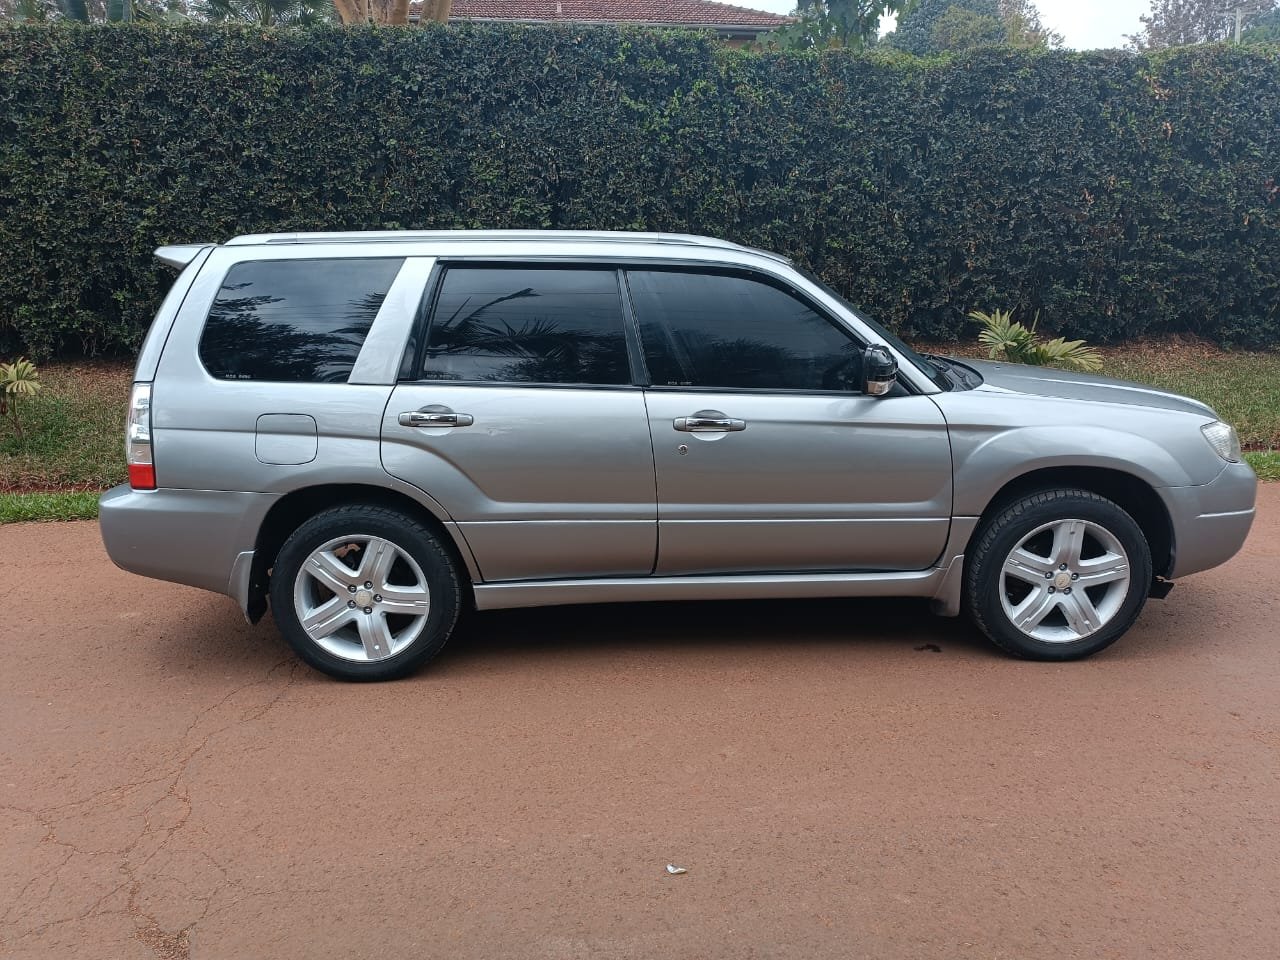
[
  {"x": 405, "y": 533},
  {"x": 986, "y": 582}
]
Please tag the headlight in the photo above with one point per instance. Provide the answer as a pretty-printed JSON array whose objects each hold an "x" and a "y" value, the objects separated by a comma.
[{"x": 1224, "y": 440}]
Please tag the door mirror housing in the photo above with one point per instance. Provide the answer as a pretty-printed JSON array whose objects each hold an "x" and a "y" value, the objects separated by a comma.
[{"x": 879, "y": 371}]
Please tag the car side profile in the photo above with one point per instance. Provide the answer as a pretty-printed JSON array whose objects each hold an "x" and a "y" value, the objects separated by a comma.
[{"x": 371, "y": 432}]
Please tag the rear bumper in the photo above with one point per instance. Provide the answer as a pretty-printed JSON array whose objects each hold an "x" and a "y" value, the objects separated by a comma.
[
  {"x": 184, "y": 536},
  {"x": 1211, "y": 521}
]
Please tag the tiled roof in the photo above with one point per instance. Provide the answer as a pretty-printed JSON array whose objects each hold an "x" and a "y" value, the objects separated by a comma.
[{"x": 683, "y": 12}]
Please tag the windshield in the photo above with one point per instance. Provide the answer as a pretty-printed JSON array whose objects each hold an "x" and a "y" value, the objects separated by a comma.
[{"x": 925, "y": 367}]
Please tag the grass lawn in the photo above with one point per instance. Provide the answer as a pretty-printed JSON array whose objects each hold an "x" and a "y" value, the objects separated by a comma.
[{"x": 74, "y": 445}]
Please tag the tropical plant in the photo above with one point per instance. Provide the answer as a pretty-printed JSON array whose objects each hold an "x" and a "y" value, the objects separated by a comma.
[
  {"x": 17, "y": 380},
  {"x": 1007, "y": 340},
  {"x": 268, "y": 13}
]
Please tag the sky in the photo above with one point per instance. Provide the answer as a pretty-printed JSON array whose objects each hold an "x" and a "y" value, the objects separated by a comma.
[{"x": 1086, "y": 24}]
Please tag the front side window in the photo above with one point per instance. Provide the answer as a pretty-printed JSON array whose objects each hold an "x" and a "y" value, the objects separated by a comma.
[
  {"x": 734, "y": 332},
  {"x": 294, "y": 321},
  {"x": 528, "y": 325}
]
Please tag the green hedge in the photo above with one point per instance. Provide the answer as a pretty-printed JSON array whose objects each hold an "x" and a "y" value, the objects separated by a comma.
[{"x": 1120, "y": 195}]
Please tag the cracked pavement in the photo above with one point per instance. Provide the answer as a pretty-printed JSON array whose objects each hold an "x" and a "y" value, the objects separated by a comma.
[{"x": 173, "y": 784}]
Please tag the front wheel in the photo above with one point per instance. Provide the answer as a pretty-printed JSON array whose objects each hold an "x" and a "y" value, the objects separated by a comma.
[
  {"x": 364, "y": 593},
  {"x": 1058, "y": 575}
]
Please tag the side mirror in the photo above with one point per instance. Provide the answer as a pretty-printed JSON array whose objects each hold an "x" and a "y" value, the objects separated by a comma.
[{"x": 879, "y": 371}]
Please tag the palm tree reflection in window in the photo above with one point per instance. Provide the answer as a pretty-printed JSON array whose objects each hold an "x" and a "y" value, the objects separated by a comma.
[
  {"x": 303, "y": 330},
  {"x": 565, "y": 338}
]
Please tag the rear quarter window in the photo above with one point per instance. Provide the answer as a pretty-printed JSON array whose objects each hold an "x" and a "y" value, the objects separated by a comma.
[{"x": 294, "y": 321}]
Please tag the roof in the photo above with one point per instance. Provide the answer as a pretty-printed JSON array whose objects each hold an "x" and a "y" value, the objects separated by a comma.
[{"x": 688, "y": 13}]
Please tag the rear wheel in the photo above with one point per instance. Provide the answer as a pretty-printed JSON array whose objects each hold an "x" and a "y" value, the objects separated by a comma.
[
  {"x": 364, "y": 593},
  {"x": 1058, "y": 575}
]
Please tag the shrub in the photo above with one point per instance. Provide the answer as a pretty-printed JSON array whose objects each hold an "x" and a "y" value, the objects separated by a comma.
[
  {"x": 1008, "y": 340},
  {"x": 17, "y": 380},
  {"x": 1120, "y": 194}
]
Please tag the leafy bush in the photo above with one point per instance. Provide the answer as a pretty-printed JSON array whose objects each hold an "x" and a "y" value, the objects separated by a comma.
[
  {"x": 1120, "y": 194},
  {"x": 1008, "y": 340},
  {"x": 17, "y": 380}
]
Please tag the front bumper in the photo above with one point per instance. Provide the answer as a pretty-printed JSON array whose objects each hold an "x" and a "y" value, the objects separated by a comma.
[
  {"x": 184, "y": 536},
  {"x": 1211, "y": 521}
]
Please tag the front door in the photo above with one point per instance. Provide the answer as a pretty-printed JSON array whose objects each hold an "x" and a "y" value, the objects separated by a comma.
[
  {"x": 767, "y": 459},
  {"x": 522, "y": 422}
]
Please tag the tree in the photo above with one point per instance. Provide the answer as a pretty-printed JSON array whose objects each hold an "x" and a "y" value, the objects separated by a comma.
[
  {"x": 119, "y": 11},
  {"x": 836, "y": 23},
  {"x": 268, "y": 12},
  {"x": 1175, "y": 23},
  {"x": 1265, "y": 29},
  {"x": 933, "y": 26},
  {"x": 392, "y": 12},
  {"x": 963, "y": 29},
  {"x": 915, "y": 27},
  {"x": 1023, "y": 26},
  {"x": 30, "y": 11}
]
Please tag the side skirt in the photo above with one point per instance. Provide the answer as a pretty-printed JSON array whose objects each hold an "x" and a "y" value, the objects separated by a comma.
[{"x": 923, "y": 583}]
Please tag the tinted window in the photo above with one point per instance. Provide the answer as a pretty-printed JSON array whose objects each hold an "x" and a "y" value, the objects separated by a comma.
[
  {"x": 294, "y": 320},
  {"x": 528, "y": 325},
  {"x": 712, "y": 330}
]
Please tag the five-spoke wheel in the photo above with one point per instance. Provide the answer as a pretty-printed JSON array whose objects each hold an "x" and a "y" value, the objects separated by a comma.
[
  {"x": 364, "y": 593},
  {"x": 361, "y": 598},
  {"x": 1057, "y": 575}
]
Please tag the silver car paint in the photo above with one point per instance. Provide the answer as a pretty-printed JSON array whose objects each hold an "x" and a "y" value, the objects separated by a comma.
[
  {"x": 823, "y": 496},
  {"x": 815, "y": 483},
  {"x": 547, "y": 482}
]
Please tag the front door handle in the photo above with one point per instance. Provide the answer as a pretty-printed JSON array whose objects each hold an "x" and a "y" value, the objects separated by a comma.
[
  {"x": 709, "y": 421},
  {"x": 435, "y": 415}
]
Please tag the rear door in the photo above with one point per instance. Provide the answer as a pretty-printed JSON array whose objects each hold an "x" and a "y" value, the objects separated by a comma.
[
  {"x": 519, "y": 416},
  {"x": 768, "y": 456}
]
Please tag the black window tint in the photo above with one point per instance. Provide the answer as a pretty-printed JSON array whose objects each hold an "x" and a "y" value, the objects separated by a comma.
[
  {"x": 713, "y": 330},
  {"x": 528, "y": 325},
  {"x": 294, "y": 320}
]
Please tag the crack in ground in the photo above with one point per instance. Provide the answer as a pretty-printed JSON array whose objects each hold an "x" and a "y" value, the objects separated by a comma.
[{"x": 166, "y": 945}]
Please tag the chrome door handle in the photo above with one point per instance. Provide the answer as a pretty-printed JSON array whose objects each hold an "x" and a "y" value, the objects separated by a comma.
[
  {"x": 709, "y": 421},
  {"x": 435, "y": 418}
]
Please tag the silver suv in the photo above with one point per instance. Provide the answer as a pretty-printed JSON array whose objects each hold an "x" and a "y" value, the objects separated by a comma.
[{"x": 378, "y": 430}]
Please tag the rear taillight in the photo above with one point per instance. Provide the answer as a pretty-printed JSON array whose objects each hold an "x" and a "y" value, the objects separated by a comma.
[{"x": 137, "y": 445}]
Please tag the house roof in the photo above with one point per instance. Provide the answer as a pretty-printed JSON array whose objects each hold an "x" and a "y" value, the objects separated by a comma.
[{"x": 701, "y": 13}]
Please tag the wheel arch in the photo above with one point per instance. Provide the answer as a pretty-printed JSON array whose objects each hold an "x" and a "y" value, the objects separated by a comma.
[
  {"x": 1132, "y": 494},
  {"x": 297, "y": 506}
]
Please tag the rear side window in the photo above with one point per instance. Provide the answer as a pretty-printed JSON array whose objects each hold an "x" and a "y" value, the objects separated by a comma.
[
  {"x": 528, "y": 325},
  {"x": 734, "y": 332},
  {"x": 294, "y": 320}
]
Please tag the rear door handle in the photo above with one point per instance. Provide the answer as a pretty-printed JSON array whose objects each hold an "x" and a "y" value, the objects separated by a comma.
[
  {"x": 709, "y": 421},
  {"x": 435, "y": 416}
]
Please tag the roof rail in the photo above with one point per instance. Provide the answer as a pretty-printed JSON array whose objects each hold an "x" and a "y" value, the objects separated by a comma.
[{"x": 410, "y": 236}]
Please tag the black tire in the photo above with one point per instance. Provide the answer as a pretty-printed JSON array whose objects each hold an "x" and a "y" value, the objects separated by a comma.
[
  {"x": 406, "y": 534},
  {"x": 985, "y": 576}
]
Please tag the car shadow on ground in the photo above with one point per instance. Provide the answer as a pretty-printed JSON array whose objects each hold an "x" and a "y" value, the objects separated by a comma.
[
  {"x": 215, "y": 637},
  {"x": 790, "y": 626}
]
